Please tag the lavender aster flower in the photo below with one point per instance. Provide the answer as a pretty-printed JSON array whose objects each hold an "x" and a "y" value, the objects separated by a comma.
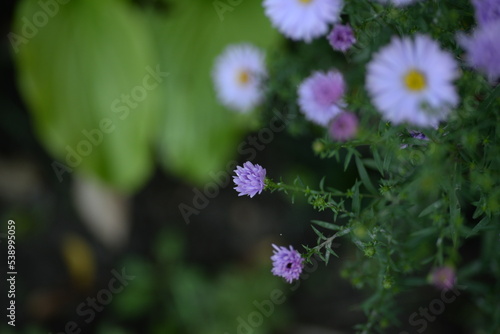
[
  {"x": 344, "y": 126},
  {"x": 249, "y": 179},
  {"x": 443, "y": 278},
  {"x": 487, "y": 11},
  {"x": 483, "y": 49},
  {"x": 287, "y": 263},
  {"x": 342, "y": 37},
  {"x": 320, "y": 96},
  {"x": 417, "y": 135}
]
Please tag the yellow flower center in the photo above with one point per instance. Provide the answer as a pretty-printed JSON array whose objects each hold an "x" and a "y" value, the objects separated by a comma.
[
  {"x": 305, "y": 1},
  {"x": 415, "y": 80},
  {"x": 243, "y": 77}
]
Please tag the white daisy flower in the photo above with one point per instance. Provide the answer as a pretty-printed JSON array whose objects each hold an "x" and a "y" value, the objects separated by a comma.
[
  {"x": 410, "y": 80},
  {"x": 303, "y": 19},
  {"x": 238, "y": 75}
]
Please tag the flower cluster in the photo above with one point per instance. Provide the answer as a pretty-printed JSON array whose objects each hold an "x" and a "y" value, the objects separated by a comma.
[
  {"x": 419, "y": 104},
  {"x": 409, "y": 81}
]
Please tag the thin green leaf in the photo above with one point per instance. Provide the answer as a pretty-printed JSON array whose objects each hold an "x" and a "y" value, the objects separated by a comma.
[
  {"x": 330, "y": 250},
  {"x": 482, "y": 225},
  {"x": 370, "y": 163},
  {"x": 425, "y": 232},
  {"x": 322, "y": 183},
  {"x": 387, "y": 161},
  {"x": 431, "y": 208},
  {"x": 342, "y": 232},
  {"x": 378, "y": 161},
  {"x": 320, "y": 235},
  {"x": 347, "y": 160},
  {"x": 364, "y": 176},
  {"x": 480, "y": 206},
  {"x": 428, "y": 259},
  {"x": 356, "y": 202},
  {"x": 328, "y": 226},
  {"x": 327, "y": 256}
]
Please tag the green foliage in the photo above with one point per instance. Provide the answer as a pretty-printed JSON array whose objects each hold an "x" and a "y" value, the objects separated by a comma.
[
  {"x": 193, "y": 302},
  {"x": 416, "y": 202},
  {"x": 76, "y": 69},
  {"x": 71, "y": 71}
]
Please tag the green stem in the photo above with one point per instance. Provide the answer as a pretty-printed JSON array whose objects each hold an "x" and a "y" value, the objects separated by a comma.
[
  {"x": 329, "y": 241},
  {"x": 283, "y": 186}
]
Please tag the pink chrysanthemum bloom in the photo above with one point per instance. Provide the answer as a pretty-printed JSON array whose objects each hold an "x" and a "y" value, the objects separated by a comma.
[
  {"x": 342, "y": 37},
  {"x": 238, "y": 76},
  {"x": 287, "y": 263},
  {"x": 344, "y": 126},
  {"x": 483, "y": 49},
  {"x": 411, "y": 81},
  {"x": 249, "y": 179},
  {"x": 444, "y": 278},
  {"x": 303, "y": 19},
  {"x": 320, "y": 96}
]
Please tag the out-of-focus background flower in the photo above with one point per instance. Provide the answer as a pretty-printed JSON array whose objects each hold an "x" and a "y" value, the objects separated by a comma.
[{"x": 115, "y": 163}]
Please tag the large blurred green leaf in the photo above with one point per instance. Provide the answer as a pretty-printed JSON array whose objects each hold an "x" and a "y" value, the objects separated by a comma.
[
  {"x": 91, "y": 53},
  {"x": 73, "y": 68},
  {"x": 198, "y": 135}
]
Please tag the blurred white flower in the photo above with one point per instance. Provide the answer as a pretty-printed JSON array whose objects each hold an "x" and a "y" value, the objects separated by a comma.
[
  {"x": 238, "y": 75},
  {"x": 303, "y": 19}
]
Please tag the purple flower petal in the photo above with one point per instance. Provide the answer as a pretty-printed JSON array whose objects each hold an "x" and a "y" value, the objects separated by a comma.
[
  {"x": 344, "y": 126},
  {"x": 342, "y": 37},
  {"x": 443, "y": 278},
  {"x": 287, "y": 263},
  {"x": 249, "y": 179}
]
